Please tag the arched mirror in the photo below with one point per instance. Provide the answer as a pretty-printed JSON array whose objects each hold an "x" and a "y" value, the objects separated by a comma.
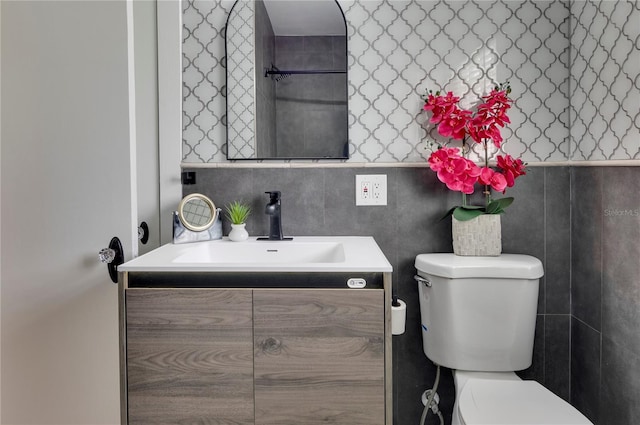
[
  {"x": 286, "y": 80},
  {"x": 197, "y": 212}
]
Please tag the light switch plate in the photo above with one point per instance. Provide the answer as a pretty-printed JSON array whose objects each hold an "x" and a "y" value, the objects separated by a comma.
[{"x": 371, "y": 189}]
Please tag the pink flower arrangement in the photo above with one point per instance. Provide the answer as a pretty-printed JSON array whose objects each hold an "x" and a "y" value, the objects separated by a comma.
[{"x": 483, "y": 127}]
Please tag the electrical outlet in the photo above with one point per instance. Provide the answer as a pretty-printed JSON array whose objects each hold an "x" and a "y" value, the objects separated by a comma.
[
  {"x": 371, "y": 189},
  {"x": 376, "y": 190},
  {"x": 365, "y": 190}
]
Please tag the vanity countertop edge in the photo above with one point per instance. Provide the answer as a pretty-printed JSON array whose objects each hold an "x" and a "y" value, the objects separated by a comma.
[{"x": 362, "y": 254}]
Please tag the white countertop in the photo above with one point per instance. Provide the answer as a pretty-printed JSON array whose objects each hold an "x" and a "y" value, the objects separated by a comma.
[{"x": 302, "y": 254}]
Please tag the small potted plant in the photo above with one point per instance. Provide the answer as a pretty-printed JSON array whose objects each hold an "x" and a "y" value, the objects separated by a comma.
[{"x": 237, "y": 212}]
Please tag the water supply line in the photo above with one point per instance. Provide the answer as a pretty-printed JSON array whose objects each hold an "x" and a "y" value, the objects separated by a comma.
[{"x": 430, "y": 399}]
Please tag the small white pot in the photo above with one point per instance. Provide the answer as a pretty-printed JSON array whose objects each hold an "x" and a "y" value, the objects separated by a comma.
[
  {"x": 238, "y": 233},
  {"x": 481, "y": 236}
]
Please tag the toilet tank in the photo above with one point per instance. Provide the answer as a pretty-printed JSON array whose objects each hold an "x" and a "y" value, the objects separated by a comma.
[{"x": 478, "y": 313}]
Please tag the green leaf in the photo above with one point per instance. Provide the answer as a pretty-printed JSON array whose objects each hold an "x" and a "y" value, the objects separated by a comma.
[
  {"x": 497, "y": 206},
  {"x": 453, "y": 210},
  {"x": 467, "y": 213},
  {"x": 448, "y": 213},
  {"x": 238, "y": 212}
]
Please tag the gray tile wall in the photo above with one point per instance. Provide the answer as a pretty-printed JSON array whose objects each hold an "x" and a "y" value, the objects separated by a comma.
[
  {"x": 265, "y": 87},
  {"x": 605, "y": 339},
  {"x": 320, "y": 201},
  {"x": 311, "y": 110}
]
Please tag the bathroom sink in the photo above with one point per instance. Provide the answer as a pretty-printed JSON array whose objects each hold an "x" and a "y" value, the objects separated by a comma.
[
  {"x": 265, "y": 252},
  {"x": 303, "y": 253}
]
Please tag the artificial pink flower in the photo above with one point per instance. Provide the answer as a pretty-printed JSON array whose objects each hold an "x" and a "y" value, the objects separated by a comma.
[
  {"x": 469, "y": 177},
  {"x": 461, "y": 176},
  {"x": 512, "y": 168},
  {"x": 472, "y": 169},
  {"x": 481, "y": 128},
  {"x": 496, "y": 180},
  {"x": 458, "y": 173},
  {"x": 440, "y": 157},
  {"x": 491, "y": 115},
  {"x": 440, "y": 106},
  {"x": 451, "y": 171},
  {"x": 493, "y": 134},
  {"x": 485, "y": 176},
  {"x": 496, "y": 106},
  {"x": 454, "y": 125}
]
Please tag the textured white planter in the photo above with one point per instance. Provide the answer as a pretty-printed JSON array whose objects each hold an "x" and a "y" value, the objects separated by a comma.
[
  {"x": 480, "y": 236},
  {"x": 238, "y": 233}
]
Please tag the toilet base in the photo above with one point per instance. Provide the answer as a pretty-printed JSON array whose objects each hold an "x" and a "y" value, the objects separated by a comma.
[
  {"x": 460, "y": 378},
  {"x": 504, "y": 398}
]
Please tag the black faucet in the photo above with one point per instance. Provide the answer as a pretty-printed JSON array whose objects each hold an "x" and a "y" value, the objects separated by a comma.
[{"x": 275, "y": 218}]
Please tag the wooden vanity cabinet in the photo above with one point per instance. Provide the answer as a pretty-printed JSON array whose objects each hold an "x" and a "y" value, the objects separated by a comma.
[
  {"x": 189, "y": 356},
  {"x": 280, "y": 356},
  {"x": 319, "y": 356}
]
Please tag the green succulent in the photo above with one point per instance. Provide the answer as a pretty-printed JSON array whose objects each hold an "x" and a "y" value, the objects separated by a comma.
[{"x": 238, "y": 212}]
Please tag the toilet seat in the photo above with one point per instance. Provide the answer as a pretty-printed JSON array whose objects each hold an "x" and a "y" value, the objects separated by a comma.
[{"x": 500, "y": 402}]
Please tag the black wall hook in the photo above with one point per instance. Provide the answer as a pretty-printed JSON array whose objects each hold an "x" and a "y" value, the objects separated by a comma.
[{"x": 188, "y": 177}]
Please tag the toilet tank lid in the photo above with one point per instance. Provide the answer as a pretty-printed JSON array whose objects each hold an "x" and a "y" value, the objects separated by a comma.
[{"x": 509, "y": 266}]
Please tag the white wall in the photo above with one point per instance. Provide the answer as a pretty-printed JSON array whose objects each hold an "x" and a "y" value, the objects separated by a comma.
[
  {"x": 67, "y": 188},
  {"x": 169, "y": 111},
  {"x": 0, "y": 221},
  {"x": 146, "y": 81}
]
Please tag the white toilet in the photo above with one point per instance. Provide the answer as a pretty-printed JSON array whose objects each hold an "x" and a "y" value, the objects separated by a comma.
[{"x": 478, "y": 318}]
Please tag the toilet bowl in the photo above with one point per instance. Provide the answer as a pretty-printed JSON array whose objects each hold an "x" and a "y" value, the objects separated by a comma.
[
  {"x": 478, "y": 318},
  {"x": 502, "y": 398}
]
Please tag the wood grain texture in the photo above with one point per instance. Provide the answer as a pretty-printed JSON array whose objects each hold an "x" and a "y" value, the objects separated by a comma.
[
  {"x": 319, "y": 357},
  {"x": 189, "y": 356},
  {"x": 388, "y": 348},
  {"x": 122, "y": 330}
]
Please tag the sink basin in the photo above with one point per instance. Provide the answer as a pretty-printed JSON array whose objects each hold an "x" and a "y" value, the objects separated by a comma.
[
  {"x": 266, "y": 252},
  {"x": 302, "y": 254}
]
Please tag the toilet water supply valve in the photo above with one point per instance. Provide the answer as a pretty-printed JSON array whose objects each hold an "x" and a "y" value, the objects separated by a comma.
[
  {"x": 434, "y": 400},
  {"x": 430, "y": 400}
]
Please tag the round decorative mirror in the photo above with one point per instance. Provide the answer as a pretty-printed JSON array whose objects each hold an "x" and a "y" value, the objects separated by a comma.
[{"x": 197, "y": 212}]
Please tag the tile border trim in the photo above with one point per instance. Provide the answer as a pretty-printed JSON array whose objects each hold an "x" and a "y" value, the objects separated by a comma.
[{"x": 603, "y": 163}]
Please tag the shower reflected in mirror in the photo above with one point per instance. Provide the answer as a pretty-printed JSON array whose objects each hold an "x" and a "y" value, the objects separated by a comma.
[{"x": 286, "y": 80}]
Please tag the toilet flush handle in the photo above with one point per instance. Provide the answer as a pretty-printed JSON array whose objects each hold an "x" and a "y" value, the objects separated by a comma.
[{"x": 421, "y": 279}]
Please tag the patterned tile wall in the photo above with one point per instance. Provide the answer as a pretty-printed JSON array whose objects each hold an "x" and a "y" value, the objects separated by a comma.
[
  {"x": 399, "y": 48},
  {"x": 240, "y": 86},
  {"x": 204, "y": 77},
  {"x": 605, "y": 80}
]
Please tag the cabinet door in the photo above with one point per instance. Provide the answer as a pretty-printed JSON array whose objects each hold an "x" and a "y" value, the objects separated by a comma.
[
  {"x": 319, "y": 357},
  {"x": 189, "y": 356}
]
